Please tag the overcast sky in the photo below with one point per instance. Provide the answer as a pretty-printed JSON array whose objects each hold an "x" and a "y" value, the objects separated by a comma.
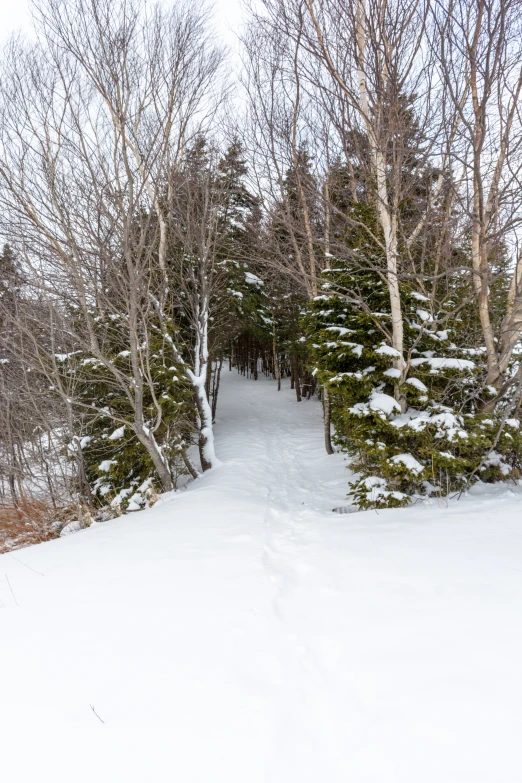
[{"x": 14, "y": 15}]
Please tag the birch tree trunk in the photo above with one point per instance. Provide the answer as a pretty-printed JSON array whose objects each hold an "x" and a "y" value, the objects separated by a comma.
[{"x": 198, "y": 379}]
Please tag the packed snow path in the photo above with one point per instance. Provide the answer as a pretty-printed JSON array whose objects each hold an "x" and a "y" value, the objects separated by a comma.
[{"x": 242, "y": 632}]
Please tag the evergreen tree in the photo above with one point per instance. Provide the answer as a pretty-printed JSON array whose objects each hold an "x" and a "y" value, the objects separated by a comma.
[
  {"x": 438, "y": 439},
  {"x": 118, "y": 468}
]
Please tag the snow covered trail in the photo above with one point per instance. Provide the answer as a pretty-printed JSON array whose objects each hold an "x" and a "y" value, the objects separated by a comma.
[{"x": 240, "y": 631}]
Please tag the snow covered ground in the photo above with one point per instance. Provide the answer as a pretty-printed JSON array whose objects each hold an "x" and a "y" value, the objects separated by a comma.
[{"x": 243, "y": 632}]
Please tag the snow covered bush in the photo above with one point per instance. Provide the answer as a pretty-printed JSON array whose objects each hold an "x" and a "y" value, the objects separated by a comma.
[{"x": 423, "y": 434}]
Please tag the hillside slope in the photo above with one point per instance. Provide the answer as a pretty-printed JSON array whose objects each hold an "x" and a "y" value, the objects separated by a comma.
[{"x": 242, "y": 632}]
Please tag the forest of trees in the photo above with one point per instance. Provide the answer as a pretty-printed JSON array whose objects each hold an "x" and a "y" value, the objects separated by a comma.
[{"x": 339, "y": 206}]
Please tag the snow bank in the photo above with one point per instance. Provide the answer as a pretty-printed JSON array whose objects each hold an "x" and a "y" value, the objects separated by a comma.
[{"x": 242, "y": 631}]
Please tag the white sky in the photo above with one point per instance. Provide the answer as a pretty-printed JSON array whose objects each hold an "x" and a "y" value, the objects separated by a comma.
[{"x": 14, "y": 15}]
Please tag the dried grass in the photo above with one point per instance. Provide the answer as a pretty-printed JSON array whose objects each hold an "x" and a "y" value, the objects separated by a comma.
[{"x": 32, "y": 521}]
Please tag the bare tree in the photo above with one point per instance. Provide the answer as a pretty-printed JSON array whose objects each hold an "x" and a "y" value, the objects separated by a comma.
[
  {"x": 283, "y": 142},
  {"x": 196, "y": 204},
  {"x": 93, "y": 119},
  {"x": 362, "y": 79},
  {"x": 480, "y": 60}
]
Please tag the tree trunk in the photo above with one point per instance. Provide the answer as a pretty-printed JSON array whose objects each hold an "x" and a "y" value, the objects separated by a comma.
[
  {"x": 188, "y": 464},
  {"x": 297, "y": 381},
  {"x": 215, "y": 391},
  {"x": 277, "y": 368},
  {"x": 198, "y": 378},
  {"x": 160, "y": 464},
  {"x": 327, "y": 408},
  {"x": 206, "y": 435}
]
